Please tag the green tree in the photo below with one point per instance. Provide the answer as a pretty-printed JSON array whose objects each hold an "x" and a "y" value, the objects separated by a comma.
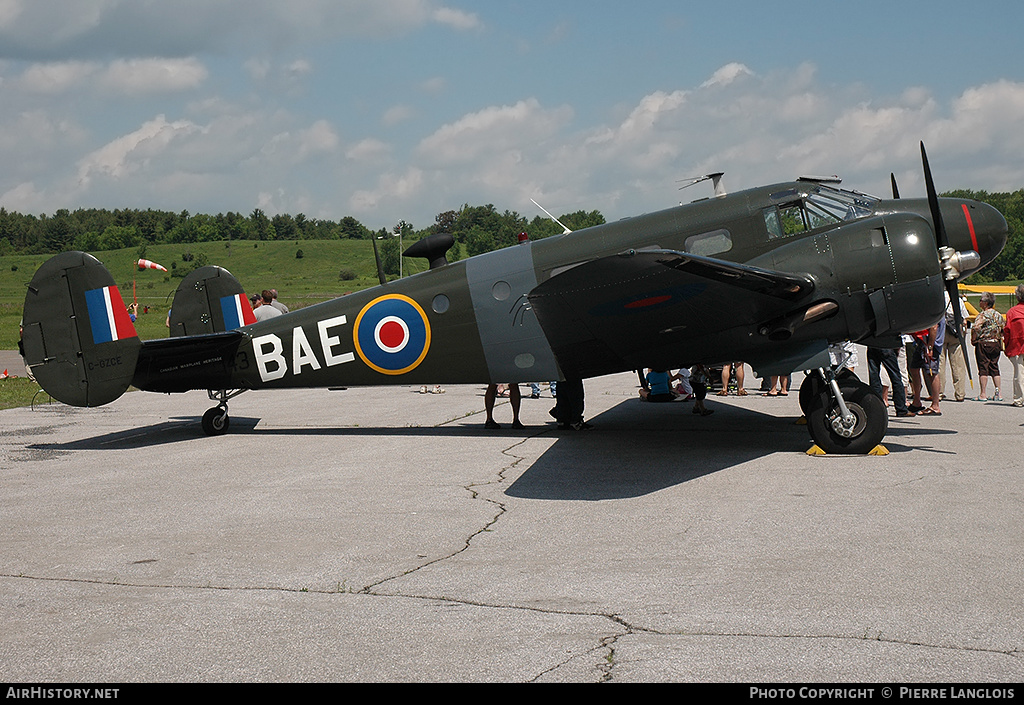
[
  {"x": 478, "y": 241},
  {"x": 445, "y": 222},
  {"x": 262, "y": 228},
  {"x": 116, "y": 237},
  {"x": 58, "y": 234},
  {"x": 284, "y": 227}
]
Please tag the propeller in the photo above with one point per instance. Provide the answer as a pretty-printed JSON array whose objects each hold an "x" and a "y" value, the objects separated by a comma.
[
  {"x": 942, "y": 240},
  {"x": 895, "y": 188}
]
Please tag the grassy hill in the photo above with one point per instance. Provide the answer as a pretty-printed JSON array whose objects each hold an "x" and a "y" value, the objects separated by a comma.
[{"x": 301, "y": 282}]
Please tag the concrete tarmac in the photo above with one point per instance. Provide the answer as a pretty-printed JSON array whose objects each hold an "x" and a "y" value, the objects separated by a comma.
[{"x": 384, "y": 535}]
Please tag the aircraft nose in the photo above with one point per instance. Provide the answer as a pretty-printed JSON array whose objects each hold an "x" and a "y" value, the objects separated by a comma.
[{"x": 973, "y": 225}]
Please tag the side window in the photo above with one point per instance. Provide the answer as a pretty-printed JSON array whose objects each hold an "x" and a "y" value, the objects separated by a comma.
[{"x": 707, "y": 244}]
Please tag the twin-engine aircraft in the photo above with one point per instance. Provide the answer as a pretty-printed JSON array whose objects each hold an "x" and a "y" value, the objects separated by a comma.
[{"x": 770, "y": 276}]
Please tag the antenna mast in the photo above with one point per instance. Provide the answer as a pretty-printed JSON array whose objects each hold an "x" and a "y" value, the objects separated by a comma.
[{"x": 565, "y": 230}]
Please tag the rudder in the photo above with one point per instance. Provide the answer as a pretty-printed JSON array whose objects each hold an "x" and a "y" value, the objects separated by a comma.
[{"x": 79, "y": 339}]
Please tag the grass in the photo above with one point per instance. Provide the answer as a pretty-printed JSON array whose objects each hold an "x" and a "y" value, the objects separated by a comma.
[{"x": 20, "y": 391}]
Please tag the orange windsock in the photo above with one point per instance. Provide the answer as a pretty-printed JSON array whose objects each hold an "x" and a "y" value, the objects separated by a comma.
[{"x": 146, "y": 264}]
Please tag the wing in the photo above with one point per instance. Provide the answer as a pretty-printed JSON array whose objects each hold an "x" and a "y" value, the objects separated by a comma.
[{"x": 658, "y": 307}]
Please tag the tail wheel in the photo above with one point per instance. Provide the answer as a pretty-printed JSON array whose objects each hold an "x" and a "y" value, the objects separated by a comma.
[
  {"x": 870, "y": 420},
  {"x": 216, "y": 421}
]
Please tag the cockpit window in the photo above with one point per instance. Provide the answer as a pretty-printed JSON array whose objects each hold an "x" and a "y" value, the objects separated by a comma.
[
  {"x": 787, "y": 219},
  {"x": 837, "y": 204},
  {"x": 819, "y": 207}
]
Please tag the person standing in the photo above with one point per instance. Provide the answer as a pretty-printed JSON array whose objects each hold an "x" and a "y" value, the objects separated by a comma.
[
  {"x": 514, "y": 400},
  {"x": 264, "y": 310},
  {"x": 925, "y": 364},
  {"x": 879, "y": 358},
  {"x": 277, "y": 304},
  {"x": 953, "y": 352},
  {"x": 735, "y": 368},
  {"x": 987, "y": 338},
  {"x": 1013, "y": 338}
]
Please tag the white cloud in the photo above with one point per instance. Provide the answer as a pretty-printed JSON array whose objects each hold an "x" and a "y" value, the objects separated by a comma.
[
  {"x": 397, "y": 114},
  {"x": 456, "y": 19},
  {"x": 391, "y": 188},
  {"x": 434, "y": 86},
  {"x": 135, "y": 76},
  {"x": 57, "y": 77},
  {"x": 299, "y": 68},
  {"x": 760, "y": 130},
  {"x": 32, "y": 29},
  {"x": 132, "y": 152},
  {"x": 727, "y": 74},
  {"x": 492, "y": 130},
  {"x": 369, "y": 150},
  {"x": 153, "y": 75}
]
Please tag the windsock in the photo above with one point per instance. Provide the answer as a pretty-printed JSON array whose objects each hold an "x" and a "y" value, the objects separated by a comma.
[{"x": 146, "y": 264}]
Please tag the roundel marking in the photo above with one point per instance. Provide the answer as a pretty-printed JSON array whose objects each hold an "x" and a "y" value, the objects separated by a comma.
[{"x": 392, "y": 334}]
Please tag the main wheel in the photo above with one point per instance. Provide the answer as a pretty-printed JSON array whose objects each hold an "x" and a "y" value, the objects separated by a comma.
[
  {"x": 216, "y": 421},
  {"x": 871, "y": 419}
]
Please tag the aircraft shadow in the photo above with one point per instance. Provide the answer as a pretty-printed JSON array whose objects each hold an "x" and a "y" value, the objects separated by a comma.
[
  {"x": 175, "y": 430},
  {"x": 636, "y": 449}
]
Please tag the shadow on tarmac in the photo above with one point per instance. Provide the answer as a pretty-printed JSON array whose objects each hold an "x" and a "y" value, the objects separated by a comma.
[
  {"x": 634, "y": 449},
  {"x": 637, "y": 449}
]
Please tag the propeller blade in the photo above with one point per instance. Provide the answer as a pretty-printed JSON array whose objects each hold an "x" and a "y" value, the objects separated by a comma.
[
  {"x": 942, "y": 240},
  {"x": 933, "y": 202},
  {"x": 895, "y": 189}
]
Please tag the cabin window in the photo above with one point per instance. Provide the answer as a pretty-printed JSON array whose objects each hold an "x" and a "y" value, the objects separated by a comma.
[{"x": 708, "y": 244}]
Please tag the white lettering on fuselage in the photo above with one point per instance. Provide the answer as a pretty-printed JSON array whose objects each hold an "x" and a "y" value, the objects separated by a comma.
[{"x": 269, "y": 351}]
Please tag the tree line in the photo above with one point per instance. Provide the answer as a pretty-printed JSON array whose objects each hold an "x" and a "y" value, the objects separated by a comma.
[{"x": 476, "y": 228}]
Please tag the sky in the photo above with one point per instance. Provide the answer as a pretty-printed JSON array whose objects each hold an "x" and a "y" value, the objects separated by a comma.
[{"x": 391, "y": 110}]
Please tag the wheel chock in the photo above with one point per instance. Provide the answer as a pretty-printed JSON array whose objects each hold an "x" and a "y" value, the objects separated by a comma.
[
  {"x": 802, "y": 421},
  {"x": 877, "y": 450}
]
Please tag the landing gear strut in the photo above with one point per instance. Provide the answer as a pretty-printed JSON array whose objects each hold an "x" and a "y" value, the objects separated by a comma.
[
  {"x": 216, "y": 420},
  {"x": 843, "y": 414}
]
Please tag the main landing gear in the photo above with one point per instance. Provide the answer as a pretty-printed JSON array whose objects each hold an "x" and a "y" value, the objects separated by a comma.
[
  {"x": 216, "y": 420},
  {"x": 843, "y": 414}
]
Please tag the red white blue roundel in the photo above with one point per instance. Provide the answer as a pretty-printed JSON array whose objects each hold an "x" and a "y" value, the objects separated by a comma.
[{"x": 391, "y": 334}]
